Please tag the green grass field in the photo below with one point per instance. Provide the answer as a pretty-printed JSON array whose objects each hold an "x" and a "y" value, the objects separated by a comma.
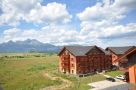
[
  {"x": 25, "y": 71},
  {"x": 115, "y": 73}
]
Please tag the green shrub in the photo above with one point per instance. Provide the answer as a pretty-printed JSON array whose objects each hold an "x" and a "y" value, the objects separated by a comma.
[
  {"x": 37, "y": 55},
  {"x": 20, "y": 56}
]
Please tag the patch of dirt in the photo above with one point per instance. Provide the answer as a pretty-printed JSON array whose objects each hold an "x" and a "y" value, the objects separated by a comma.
[{"x": 65, "y": 84}]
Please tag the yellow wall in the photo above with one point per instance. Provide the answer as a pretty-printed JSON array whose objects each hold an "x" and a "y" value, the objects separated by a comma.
[
  {"x": 132, "y": 74},
  {"x": 74, "y": 63},
  {"x": 114, "y": 57}
]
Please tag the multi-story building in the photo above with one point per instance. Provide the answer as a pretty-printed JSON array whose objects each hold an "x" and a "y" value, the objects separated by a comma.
[
  {"x": 131, "y": 64},
  {"x": 117, "y": 52},
  {"x": 81, "y": 60}
]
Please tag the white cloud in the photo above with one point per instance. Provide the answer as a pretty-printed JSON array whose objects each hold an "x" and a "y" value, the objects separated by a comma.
[
  {"x": 119, "y": 30},
  {"x": 51, "y": 34},
  {"x": 101, "y": 21},
  {"x": 10, "y": 34},
  {"x": 33, "y": 11},
  {"x": 11, "y": 31},
  {"x": 125, "y": 5},
  {"x": 64, "y": 35},
  {"x": 57, "y": 35},
  {"x": 53, "y": 12},
  {"x": 18, "y": 34},
  {"x": 107, "y": 11}
]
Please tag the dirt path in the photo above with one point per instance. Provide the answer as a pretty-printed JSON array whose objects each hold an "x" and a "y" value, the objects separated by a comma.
[{"x": 65, "y": 84}]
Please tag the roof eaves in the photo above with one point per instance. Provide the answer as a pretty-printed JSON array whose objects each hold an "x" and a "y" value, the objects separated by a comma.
[
  {"x": 61, "y": 51},
  {"x": 112, "y": 51},
  {"x": 97, "y": 48},
  {"x": 71, "y": 52},
  {"x": 89, "y": 50},
  {"x": 132, "y": 50}
]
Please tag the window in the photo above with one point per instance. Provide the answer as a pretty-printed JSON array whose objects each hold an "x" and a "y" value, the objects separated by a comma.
[
  {"x": 72, "y": 59},
  {"x": 72, "y": 65},
  {"x": 72, "y": 71}
]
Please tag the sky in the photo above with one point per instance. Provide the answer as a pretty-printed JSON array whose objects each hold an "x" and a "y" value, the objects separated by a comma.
[{"x": 67, "y": 22}]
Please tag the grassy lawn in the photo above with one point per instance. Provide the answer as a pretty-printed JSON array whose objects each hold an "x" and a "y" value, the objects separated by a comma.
[
  {"x": 24, "y": 71},
  {"x": 85, "y": 80},
  {"x": 81, "y": 83},
  {"x": 114, "y": 73}
]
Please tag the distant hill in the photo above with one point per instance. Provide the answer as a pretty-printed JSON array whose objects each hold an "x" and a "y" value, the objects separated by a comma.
[{"x": 29, "y": 45}]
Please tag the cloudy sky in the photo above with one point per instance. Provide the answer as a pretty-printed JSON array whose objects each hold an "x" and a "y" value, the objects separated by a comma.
[{"x": 61, "y": 22}]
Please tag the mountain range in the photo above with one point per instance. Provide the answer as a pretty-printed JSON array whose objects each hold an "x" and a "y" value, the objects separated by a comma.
[{"x": 29, "y": 45}]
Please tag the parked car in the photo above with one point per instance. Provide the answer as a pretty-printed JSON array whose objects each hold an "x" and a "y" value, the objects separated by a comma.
[
  {"x": 126, "y": 77},
  {"x": 120, "y": 77},
  {"x": 110, "y": 79},
  {"x": 114, "y": 67}
]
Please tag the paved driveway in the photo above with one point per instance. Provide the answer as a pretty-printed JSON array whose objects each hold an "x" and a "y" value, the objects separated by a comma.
[
  {"x": 119, "y": 87},
  {"x": 1, "y": 88},
  {"x": 108, "y": 85}
]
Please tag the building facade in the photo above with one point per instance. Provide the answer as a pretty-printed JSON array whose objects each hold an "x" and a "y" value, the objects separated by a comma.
[
  {"x": 81, "y": 60},
  {"x": 131, "y": 65},
  {"x": 117, "y": 52}
]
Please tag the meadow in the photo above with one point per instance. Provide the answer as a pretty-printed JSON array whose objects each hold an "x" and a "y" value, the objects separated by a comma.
[{"x": 38, "y": 71}]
